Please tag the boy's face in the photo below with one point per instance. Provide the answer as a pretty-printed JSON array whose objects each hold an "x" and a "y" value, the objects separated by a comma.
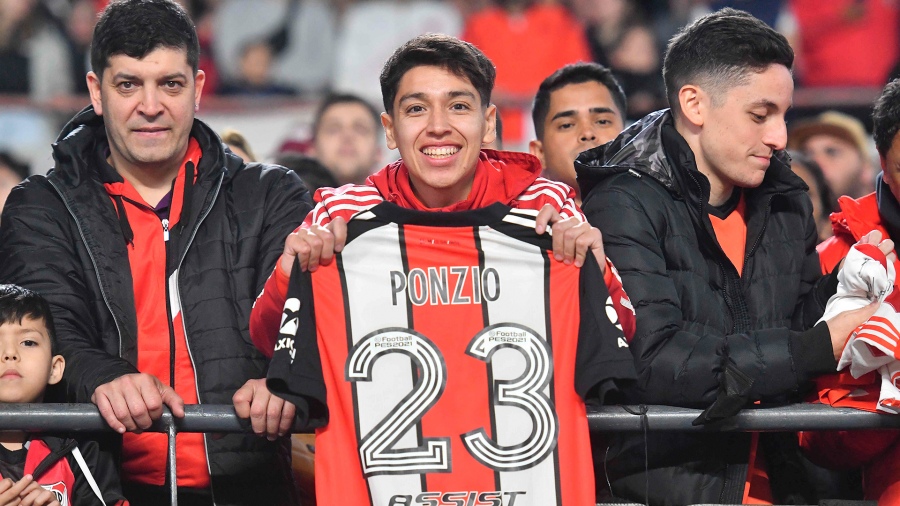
[
  {"x": 27, "y": 365},
  {"x": 439, "y": 124}
]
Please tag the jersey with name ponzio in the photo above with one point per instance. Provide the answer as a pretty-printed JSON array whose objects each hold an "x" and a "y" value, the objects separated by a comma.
[{"x": 445, "y": 358}]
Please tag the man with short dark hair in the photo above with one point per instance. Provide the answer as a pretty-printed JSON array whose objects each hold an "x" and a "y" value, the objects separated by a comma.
[
  {"x": 150, "y": 241},
  {"x": 714, "y": 238},
  {"x": 578, "y": 107},
  {"x": 345, "y": 137}
]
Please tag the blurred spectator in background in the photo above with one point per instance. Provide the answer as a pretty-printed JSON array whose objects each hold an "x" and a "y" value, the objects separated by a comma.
[
  {"x": 767, "y": 11},
  {"x": 346, "y": 132},
  {"x": 300, "y": 34},
  {"x": 839, "y": 144},
  {"x": 255, "y": 73},
  {"x": 823, "y": 200},
  {"x": 32, "y": 51},
  {"x": 79, "y": 24},
  {"x": 621, "y": 40},
  {"x": 238, "y": 144},
  {"x": 578, "y": 107},
  {"x": 527, "y": 41},
  {"x": 372, "y": 29},
  {"x": 312, "y": 172},
  {"x": 12, "y": 172},
  {"x": 846, "y": 42}
]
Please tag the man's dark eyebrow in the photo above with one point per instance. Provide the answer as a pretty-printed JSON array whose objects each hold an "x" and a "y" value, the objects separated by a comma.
[
  {"x": 602, "y": 110},
  {"x": 461, "y": 93},
  {"x": 132, "y": 77},
  {"x": 173, "y": 76},
  {"x": 764, "y": 102},
  {"x": 410, "y": 96},
  {"x": 592, "y": 110},
  {"x": 124, "y": 76},
  {"x": 563, "y": 114},
  {"x": 423, "y": 96}
]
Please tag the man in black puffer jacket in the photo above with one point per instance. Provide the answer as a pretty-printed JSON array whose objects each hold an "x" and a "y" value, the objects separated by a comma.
[
  {"x": 151, "y": 241},
  {"x": 714, "y": 239}
]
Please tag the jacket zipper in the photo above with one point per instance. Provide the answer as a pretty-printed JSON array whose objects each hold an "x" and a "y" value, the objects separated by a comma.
[
  {"x": 93, "y": 261},
  {"x": 762, "y": 230},
  {"x": 176, "y": 286},
  {"x": 170, "y": 323}
]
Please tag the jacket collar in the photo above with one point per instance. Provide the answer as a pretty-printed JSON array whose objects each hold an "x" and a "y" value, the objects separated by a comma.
[
  {"x": 500, "y": 176},
  {"x": 652, "y": 147}
]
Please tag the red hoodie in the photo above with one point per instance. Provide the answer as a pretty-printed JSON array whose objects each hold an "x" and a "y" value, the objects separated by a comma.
[{"x": 506, "y": 177}]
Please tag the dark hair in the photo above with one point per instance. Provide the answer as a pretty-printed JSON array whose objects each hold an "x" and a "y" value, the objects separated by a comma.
[
  {"x": 18, "y": 167},
  {"x": 343, "y": 98},
  {"x": 458, "y": 57},
  {"x": 719, "y": 50},
  {"x": 886, "y": 117},
  {"x": 575, "y": 73},
  {"x": 136, "y": 28},
  {"x": 310, "y": 170},
  {"x": 17, "y": 303}
]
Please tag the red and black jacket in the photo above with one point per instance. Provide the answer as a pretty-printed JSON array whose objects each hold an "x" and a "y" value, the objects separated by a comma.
[{"x": 53, "y": 463}]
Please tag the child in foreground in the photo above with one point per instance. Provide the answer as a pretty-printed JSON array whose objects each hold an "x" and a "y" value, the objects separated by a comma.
[{"x": 42, "y": 470}]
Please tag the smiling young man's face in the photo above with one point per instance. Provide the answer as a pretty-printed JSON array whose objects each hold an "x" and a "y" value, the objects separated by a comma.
[
  {"x": 27, "y": 363},
  {"x": 148, "y": 108},
  {"x": 438, "y": 123}
]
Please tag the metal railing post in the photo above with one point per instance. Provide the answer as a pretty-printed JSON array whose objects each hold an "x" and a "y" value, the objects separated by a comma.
[{"x": 172, "y": 431}]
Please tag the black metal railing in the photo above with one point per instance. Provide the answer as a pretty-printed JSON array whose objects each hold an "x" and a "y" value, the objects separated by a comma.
[{"x": 222, "y": 418}]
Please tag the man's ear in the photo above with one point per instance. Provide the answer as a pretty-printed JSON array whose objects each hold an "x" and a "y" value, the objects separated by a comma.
[
  {"x": 199, "y": 81},
  {"x": 94, "y": 85},
  {"x": 490, "y": 118},
  {"x": 536, "y": 148},
  {"x": 694, "y": 103},
  {"x": 388, "y": 125},
  {"x": 57, "y": 367}
]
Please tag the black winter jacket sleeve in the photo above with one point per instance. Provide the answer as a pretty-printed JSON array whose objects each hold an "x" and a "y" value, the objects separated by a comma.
[
  {"x": 39, "y": 250},
  {"x": 686, "y": 363}
]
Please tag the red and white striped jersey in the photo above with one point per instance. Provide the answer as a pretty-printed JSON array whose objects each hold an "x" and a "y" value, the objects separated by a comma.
[
  {"x": 874, "y": 346},
  {"x": 348, "y": 200},
  {"x": 446, "y": 358},
  {"x": 501, "y": 177}
]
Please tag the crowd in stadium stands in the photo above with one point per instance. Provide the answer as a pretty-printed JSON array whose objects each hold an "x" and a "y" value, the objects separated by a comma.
[{"x": 647, "y": 119}]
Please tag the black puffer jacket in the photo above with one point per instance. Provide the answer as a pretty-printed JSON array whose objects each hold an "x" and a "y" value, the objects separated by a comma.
[
  {"x": 60, "y": 235},
  {"x": 706, "y": 337}
]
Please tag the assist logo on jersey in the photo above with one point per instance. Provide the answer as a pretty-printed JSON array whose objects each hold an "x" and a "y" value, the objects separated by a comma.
[{"x": 58, "y": 490}]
